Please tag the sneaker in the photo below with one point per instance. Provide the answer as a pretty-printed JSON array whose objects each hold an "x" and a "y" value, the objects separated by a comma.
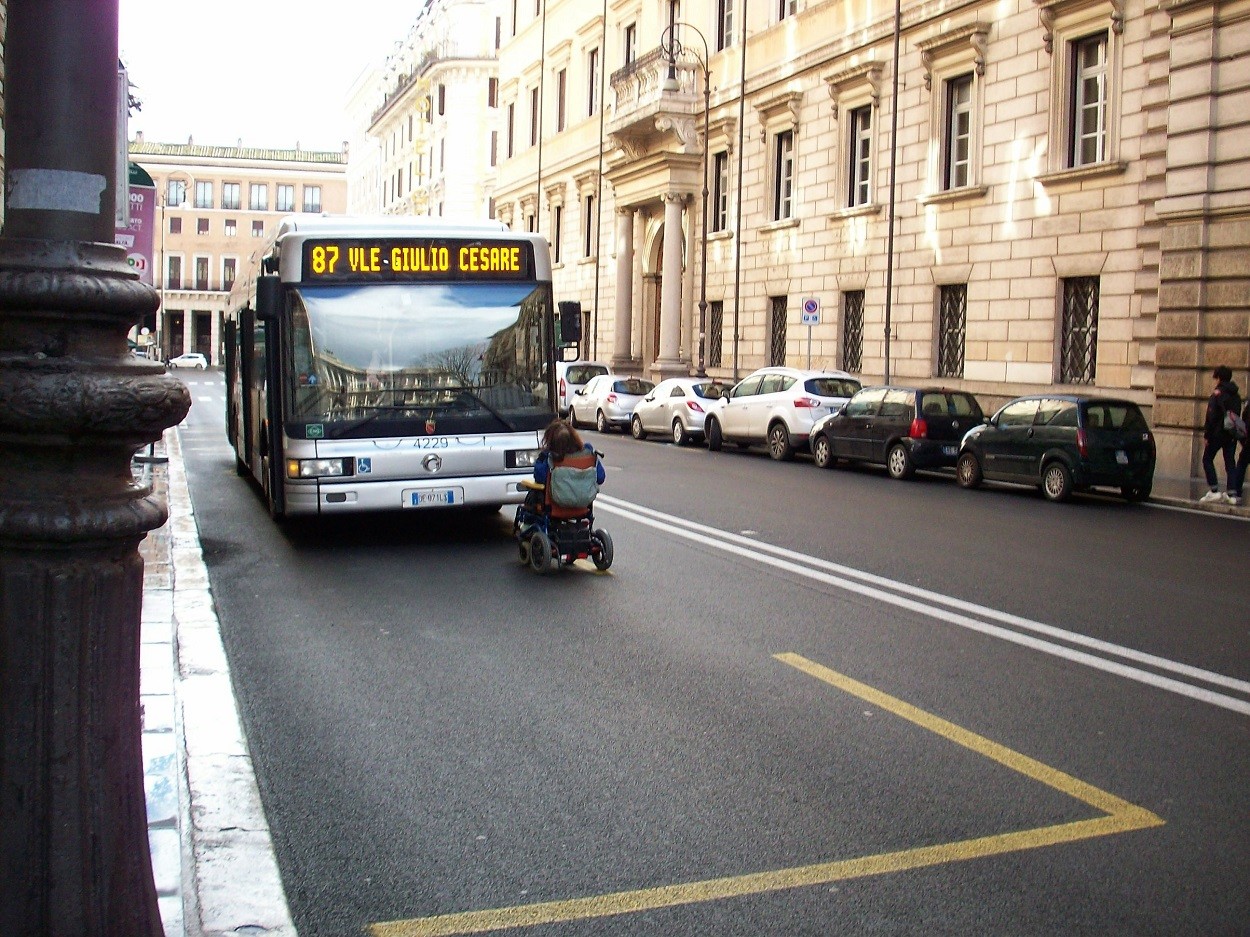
[
  {"x": 1232, "y": 498},
  {"x": 1211, "y": 497}
]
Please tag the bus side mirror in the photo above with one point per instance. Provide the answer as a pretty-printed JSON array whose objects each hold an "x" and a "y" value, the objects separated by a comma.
[
  {"x": 570, "y": 323},
  {"x": 268, "y": 298}
]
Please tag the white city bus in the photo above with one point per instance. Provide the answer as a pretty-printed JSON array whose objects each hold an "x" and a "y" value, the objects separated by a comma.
[{"x": 393, "y": 363}]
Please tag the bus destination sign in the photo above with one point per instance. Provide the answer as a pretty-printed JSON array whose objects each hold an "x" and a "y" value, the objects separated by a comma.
[{"x": 361, "y": 260}]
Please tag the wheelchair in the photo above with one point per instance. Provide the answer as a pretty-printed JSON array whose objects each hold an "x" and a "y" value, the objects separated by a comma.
[{"x": 550, "y": 535}]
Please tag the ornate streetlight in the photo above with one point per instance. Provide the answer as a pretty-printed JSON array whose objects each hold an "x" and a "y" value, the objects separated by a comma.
[{"x": 672, "y": 48}]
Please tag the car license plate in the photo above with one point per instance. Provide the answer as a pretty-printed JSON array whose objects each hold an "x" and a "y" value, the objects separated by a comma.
[
  {"x": 432, "y": 497},
  {"x": 948, "y": 450},
  {"x": 1121, "y": 456}
]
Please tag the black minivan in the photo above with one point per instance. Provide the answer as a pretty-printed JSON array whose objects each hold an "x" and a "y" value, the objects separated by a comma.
[
  {"x": 1063, "y": 443},
  {"x": 902, "y": 428}
]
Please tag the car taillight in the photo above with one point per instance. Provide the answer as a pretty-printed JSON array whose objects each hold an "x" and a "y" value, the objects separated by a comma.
[
  {"x": 806, "y": 402},
  {"x": 694, "y": 406},
  {"x": 611, "y": 398},
  {"x": 563, "y": 388},
  {"x": 919, "y": 429},
  {"x": 1081, "y": 444}
]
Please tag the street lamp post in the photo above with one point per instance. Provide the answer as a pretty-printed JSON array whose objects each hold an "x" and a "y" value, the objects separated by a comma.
[
  {"x": 671, "y": 46},
  {"x": 164, "y": 265}
]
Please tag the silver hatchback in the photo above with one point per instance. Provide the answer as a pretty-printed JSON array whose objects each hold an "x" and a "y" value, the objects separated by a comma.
[{"x": 608, "y": 400}]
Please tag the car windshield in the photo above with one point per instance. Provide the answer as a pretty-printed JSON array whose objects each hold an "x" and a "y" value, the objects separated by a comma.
[
  {"x": 419, "y": 352},
  {"x": 832, "y": 386}
]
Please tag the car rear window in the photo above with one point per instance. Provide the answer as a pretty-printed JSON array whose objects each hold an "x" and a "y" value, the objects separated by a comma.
[
  {"x": 943, "y": 403},
  {"x": 582, "y": 373},
  {"x": 831, "y": 386},
  {"x": 710, "y": 391},
  {"x": 1124, "y": 417},
  {"x": 633, "y": 386}
]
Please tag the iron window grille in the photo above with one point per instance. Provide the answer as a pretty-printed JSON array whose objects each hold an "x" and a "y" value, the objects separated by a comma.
[
  {"x": 853, "y": 331},
  {"x": 715, "y": 332},
  {"x": 1078, "y": 359},
  {"x": 952, "y": 329},
  {"x": 777, "y": 331}
]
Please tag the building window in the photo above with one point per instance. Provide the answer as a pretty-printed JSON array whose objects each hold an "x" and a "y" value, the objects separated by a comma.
[
  {"x": 724, "y": 24},
  {"x": 557, "y": 233},
  {"x": 494, "y": 148},
  {"x": 786, "y": 8},
  {"x": 511, "y": 128},
  {"x": 531, "y": 223},
  {"x": 1088, "y": 101},
  {"x": 533, "y": 116},
  {"x": 203, "y": 195},
  {"x": 783, "y": 175},
  {"x": 588, "y": 226},
  {"x": 286, "y": 198},
  {"x": 592, "y": 77},
  {"x": 231, "y": 228},
  {"x": 561, "y": 110},
  {"x": 442, "y": 100},
  {"x": 631, "y": 43},
  {"x": 175, "y": 192},
  {"x": 258, "y": 197},
  {"x": 201, "y": 226},
  {"x": 173, "y": 273},
  {"x": 957, "y": 141},
  {"x": 201, "y": 273},
  {"x": 229, "y": 270},
  {"x": 952, "y": 327},
  {"x": 258, "y": 229},
  {"x": 720, "y": 192},
  {"x": 1078, "y": 356},
  {"x": 777, "y": 331},
  {"x": 715, "y": 332},
  {"x": 312, "y": 198},
  {"x": 853, "y": 331},
  {"x": 175, "y": 225},
  {"x": 492, "y": 92},
  {"x": 860, "y": 149},
  {"x": 231, "y": 196}
]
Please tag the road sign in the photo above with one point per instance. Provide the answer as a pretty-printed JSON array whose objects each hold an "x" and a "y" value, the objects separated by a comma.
[{"x": 811, "y": 311}]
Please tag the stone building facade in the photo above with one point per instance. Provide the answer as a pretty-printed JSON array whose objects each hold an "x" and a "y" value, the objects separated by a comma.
[
  {"x": 218, "y": 209},
  {"x": 1060, "y": 200}
]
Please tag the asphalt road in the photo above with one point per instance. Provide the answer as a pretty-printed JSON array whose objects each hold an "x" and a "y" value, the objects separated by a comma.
[{"x": 800, "y": 702}]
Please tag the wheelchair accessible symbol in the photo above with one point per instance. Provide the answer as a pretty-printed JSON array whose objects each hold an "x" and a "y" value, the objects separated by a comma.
[{"x": 364, "y": 466}]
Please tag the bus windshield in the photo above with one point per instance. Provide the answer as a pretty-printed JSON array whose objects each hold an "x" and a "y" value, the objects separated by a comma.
[{"x": 466, "y": 357}]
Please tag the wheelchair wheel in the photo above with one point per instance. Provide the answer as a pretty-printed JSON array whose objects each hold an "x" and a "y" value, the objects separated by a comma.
[
  {"x": 601, "y": 549},
  {"x": 540, "y": 552}
]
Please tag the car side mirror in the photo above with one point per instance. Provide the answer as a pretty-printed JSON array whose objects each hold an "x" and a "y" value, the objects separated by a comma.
[{"x": 648, "y": 398}]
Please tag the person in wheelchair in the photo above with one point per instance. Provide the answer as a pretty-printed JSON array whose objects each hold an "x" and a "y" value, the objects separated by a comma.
[{"x": 562, "y": 448}]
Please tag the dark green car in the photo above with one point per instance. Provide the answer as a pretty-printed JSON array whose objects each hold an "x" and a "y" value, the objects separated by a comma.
[{"x": 1062, "y": 443}]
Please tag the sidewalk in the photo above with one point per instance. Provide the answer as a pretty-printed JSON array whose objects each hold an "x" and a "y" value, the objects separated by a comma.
[{"x": 212, "y": 857}]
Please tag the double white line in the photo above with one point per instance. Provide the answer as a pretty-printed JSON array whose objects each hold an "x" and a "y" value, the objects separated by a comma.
[{"x": 1008, "y": 627}]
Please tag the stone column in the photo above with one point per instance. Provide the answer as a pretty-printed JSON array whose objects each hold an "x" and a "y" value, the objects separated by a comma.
[
  {"x": 622, "y": 353},
  {"x": 74, "y": 407},
  {"x": 668, "y": 363}
]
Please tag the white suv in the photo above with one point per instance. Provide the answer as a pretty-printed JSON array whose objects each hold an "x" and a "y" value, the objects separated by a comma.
[
  {"x": 572, "y": 376},
  {"x": 777, "y": 407}
]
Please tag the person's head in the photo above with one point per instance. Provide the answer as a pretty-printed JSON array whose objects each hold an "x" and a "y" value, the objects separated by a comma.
[
  {"x": 1222, "y": 373},
  {"x": 560, "y": 438}
]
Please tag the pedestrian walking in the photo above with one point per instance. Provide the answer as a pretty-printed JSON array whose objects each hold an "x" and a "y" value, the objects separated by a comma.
[
  {"x": 1238, "y": 480},
  {"x": 1225, "y": 398}
]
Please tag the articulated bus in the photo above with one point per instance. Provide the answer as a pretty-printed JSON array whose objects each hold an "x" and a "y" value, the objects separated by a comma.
[{"x": 394, "y": 363}]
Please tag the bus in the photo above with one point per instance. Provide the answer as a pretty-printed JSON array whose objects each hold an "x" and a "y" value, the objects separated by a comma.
[{"x": 389, "y": 364}]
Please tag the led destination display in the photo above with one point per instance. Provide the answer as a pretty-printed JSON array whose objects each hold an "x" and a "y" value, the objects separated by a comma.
[{"x": 405, "y": 259}]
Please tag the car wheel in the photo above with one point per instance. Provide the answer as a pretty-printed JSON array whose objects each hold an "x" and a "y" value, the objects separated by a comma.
[
  {"x": 968, "y": 471},
  {"x": 540, "y": 552},
  {"x": 201, "y": 366},
  {"x": 779, "y": 443},
  {"x": 714, "y": 439},
  {"x": 1056, "y": 482},
  {"x": 1136, "y": 492},
  {"x": 898, "y": 462},
  {"x": 680, "y": 436},
  {"x": 822, "y": 452},
  {"x": 601, "y": 549},
  {"x": 635, "y": 428},
  {"x": 601, "y": 422}
]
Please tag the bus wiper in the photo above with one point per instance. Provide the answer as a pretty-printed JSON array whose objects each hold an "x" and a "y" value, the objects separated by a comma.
[
  {"x": 338, "y": 429},
  {"x": 487, "y": 407}
]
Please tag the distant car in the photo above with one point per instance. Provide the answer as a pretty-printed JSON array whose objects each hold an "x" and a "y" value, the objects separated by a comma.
[
  {"x": 609, "y": 400},
  {"x": 1062, "y": 443},
  {"x": 192, "y": 359},
  {"x": 777, "y": 406},
  {"x": 676, "y": 407},
  {"x": 902, "y": 428},
  {"x": 572, "y": 376}
]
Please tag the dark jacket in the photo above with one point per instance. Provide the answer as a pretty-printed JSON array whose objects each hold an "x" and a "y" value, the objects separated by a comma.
[{"x": 1226, "y": 397}]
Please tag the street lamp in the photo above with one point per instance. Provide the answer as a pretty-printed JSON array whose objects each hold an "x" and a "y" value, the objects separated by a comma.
[
  {"x": 163, "y": 269},
  {"x": 671, "y": 46}
]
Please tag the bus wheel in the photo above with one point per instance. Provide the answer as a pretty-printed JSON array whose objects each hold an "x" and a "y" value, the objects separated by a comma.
[{"x": 240, "y": 468}]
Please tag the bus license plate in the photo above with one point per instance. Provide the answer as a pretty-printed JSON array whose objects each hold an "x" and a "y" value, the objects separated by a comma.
[{"x": 433, "y": 497}]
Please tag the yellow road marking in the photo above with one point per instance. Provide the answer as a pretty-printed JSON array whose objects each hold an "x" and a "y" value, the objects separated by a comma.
[{"x": 1121, "y": 817}]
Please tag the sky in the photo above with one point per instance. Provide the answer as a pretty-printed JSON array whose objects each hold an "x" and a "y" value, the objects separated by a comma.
[{"x": 273, "y": 73}]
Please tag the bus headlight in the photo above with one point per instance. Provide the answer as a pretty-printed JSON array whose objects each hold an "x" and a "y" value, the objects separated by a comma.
[
  {"x": 522, "y": 458},
  {"x": 317, "y": 468}
]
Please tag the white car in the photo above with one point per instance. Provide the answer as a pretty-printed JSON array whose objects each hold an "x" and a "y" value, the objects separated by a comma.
[
  {"x": 777, "y": 407},
  {"x": 677, "y": 407},
  {"x": 609, "y": 400},
  {"x": 572, "y": 376},
  {"x": 192, "y": 359}
]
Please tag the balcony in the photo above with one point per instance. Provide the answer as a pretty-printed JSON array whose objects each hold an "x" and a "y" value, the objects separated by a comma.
[{"x": 645, "y": 113}]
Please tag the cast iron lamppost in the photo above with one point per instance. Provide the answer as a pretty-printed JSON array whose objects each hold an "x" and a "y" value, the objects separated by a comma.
[
  {"x": 164, "y": 264},
  {"x": 671, "y": 46}
]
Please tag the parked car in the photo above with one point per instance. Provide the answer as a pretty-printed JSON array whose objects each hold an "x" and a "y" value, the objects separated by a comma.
[
  {"x": 777, "y": 406},
  {"x": 1062, "y": 443},
  {"x": 676, "y": 406},
  {"x": 902, "y": 428},
  {"x": 192, "y": 359},
  {"x": 609, "y": 400},
  {"x": 572, "y": 376}
]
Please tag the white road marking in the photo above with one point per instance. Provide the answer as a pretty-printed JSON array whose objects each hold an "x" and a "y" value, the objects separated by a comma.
[{"x": 930, "y": 604}]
